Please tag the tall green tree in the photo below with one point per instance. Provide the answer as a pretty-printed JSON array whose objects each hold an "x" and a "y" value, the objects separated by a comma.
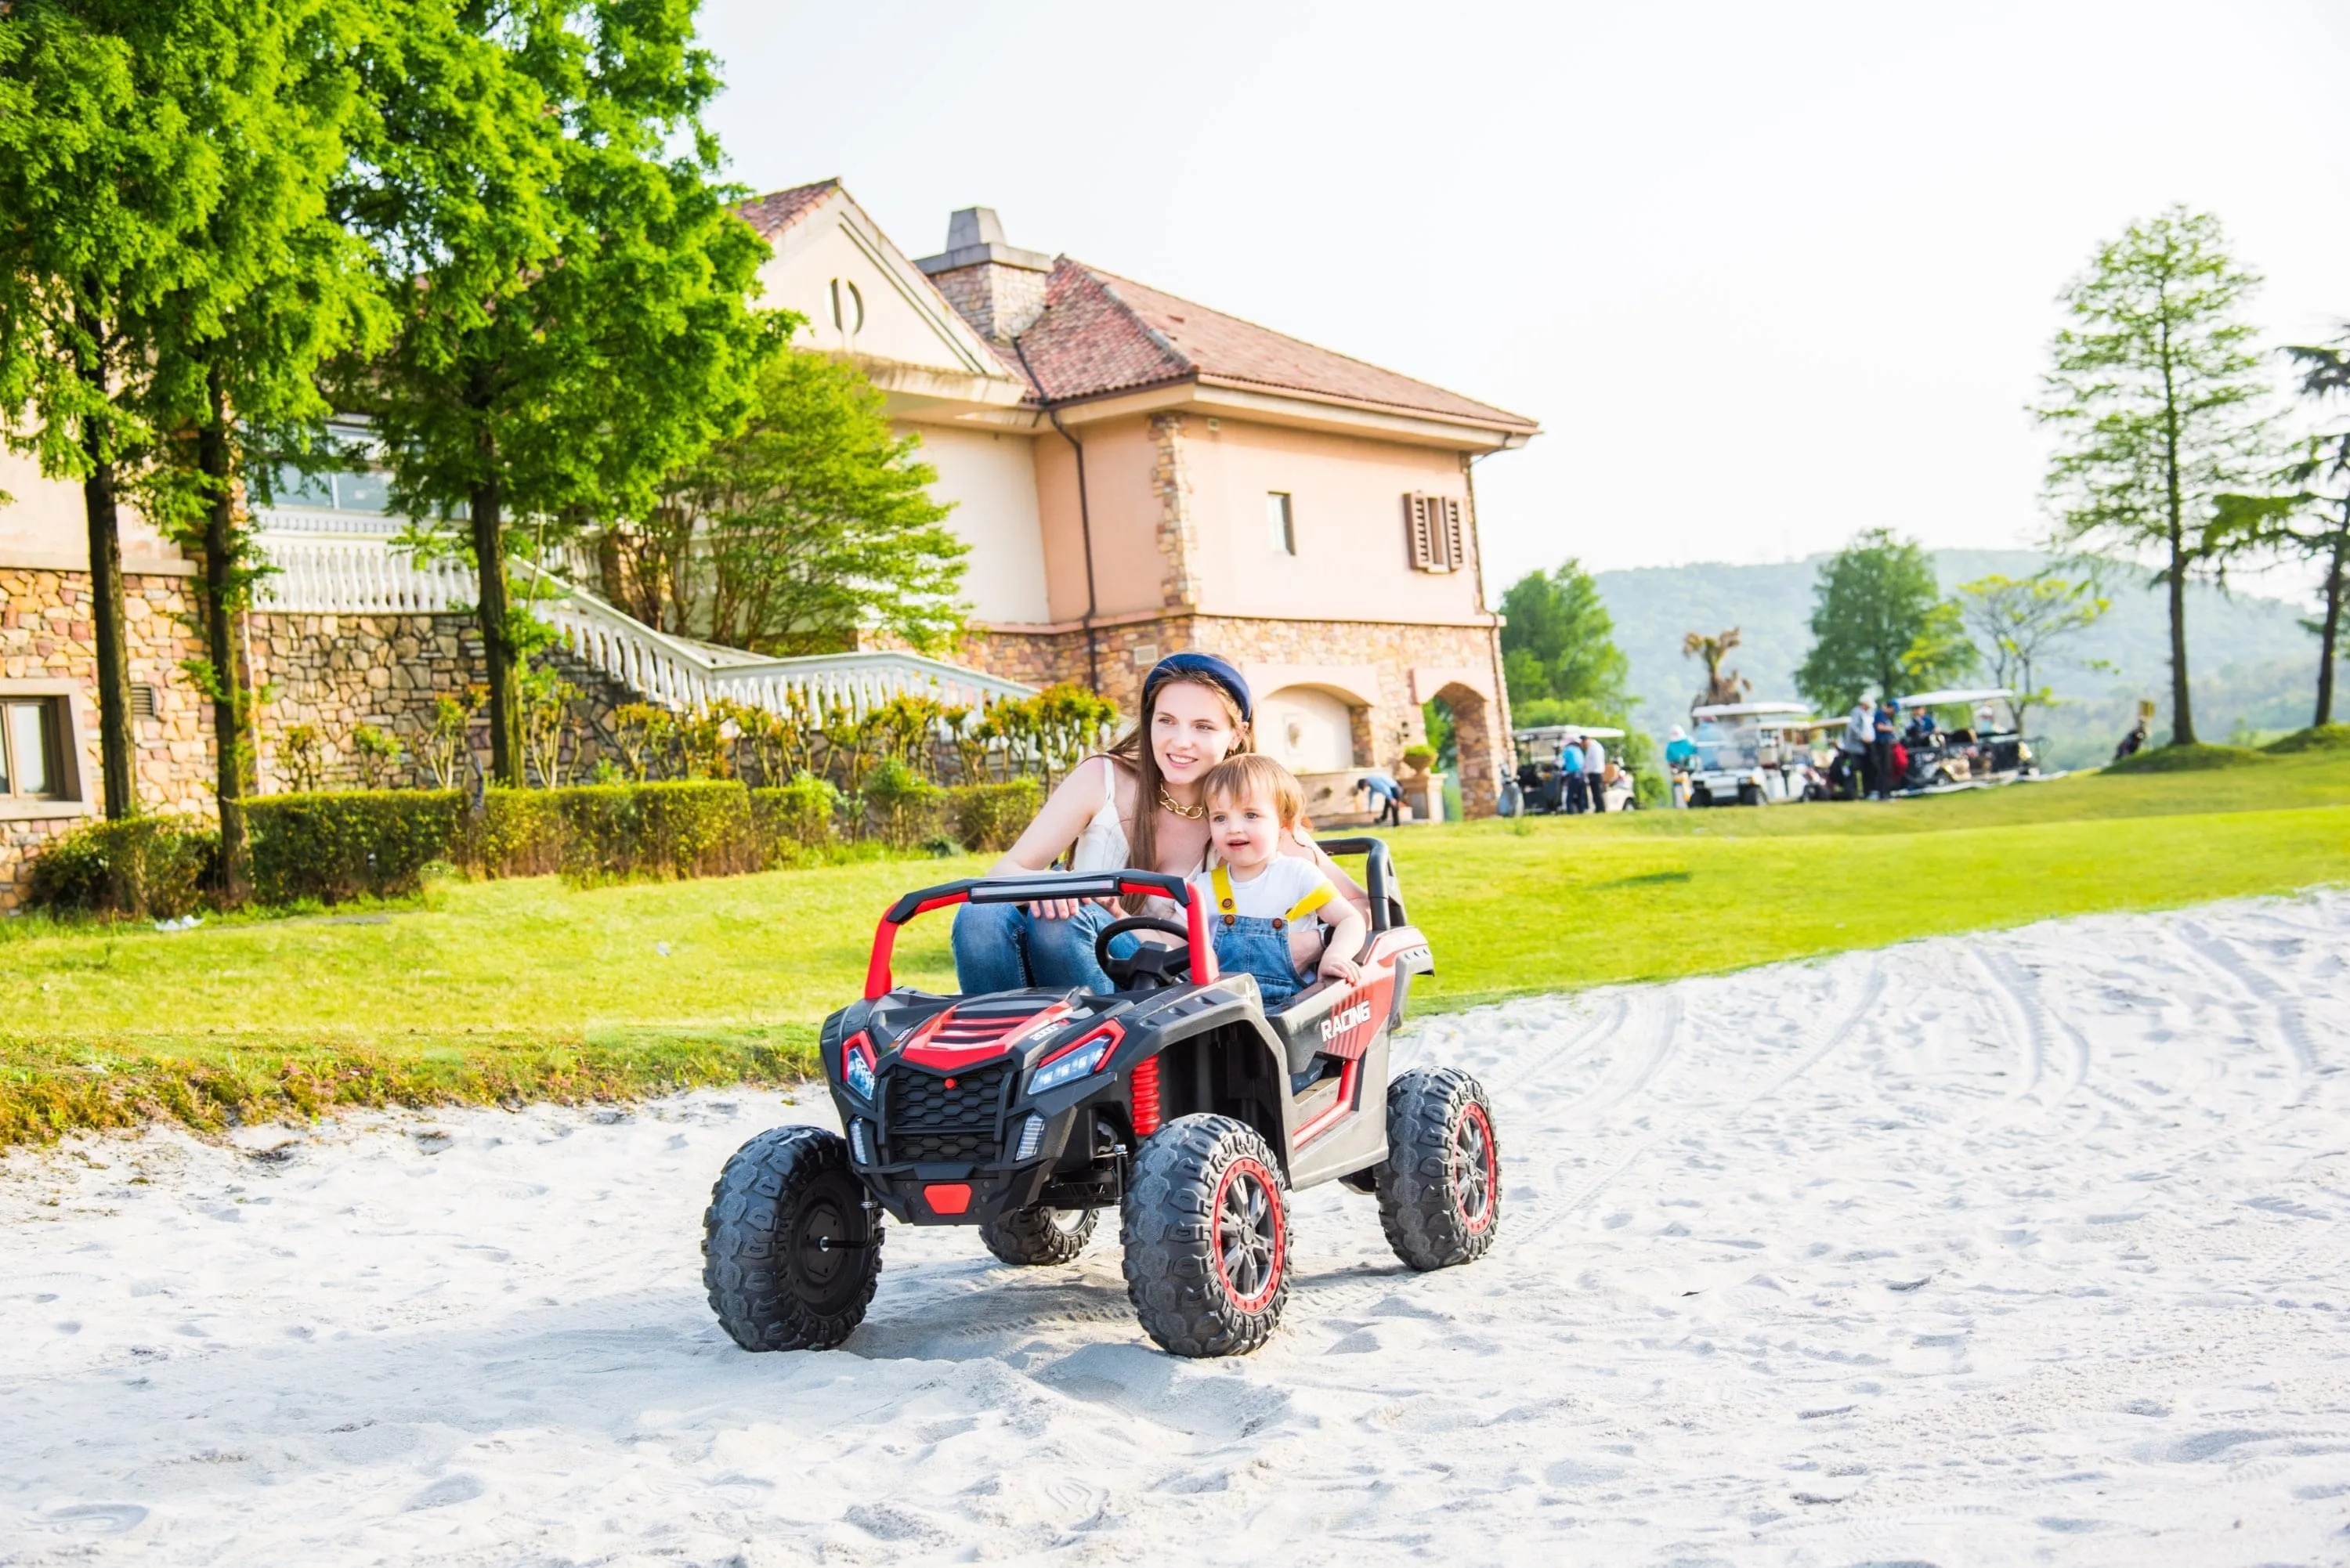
[
  {"x": 274, "y": 287},
  {"x": 2156, "y": 398},
  {"x": 2310, "y": 518},
  {"x": 570, "y": 287},
  {"x": 2018, "y": 623},
  {"x": 812, "y": 523},
  {"x": 1879, "y": 623},
  {"x": 1558, "y": 642},
  {"x": 105, "y": 184}
]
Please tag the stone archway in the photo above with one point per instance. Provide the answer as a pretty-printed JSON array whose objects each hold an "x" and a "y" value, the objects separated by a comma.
[{"x": 1476, "y": 727}]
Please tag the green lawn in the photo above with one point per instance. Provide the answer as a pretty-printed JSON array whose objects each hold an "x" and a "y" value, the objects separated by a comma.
[{"x": 490, "y": 991}]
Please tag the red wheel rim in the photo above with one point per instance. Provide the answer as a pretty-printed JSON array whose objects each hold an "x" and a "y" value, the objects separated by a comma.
[
  {"x": 1476, "y": 1179},
  {"x": 1247, "y": 1236}
]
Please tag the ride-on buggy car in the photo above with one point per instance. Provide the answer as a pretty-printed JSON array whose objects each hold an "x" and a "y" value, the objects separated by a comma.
[{"x": 1175, "y": 1098}]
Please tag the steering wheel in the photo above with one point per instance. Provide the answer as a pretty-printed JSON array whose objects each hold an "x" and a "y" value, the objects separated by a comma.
[{"x": 1152, "y": 961}]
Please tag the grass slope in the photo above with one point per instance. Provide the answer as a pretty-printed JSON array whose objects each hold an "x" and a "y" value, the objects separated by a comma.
[{"x": 490, "y": 992}]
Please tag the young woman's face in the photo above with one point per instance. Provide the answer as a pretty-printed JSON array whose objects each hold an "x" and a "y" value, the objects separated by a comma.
[
  {"x": 1245, "y": 832},
  {"x": 1191, "y": 730}
]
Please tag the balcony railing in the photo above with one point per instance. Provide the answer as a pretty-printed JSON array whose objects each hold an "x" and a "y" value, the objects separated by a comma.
[{"x": 360, "y": 575}]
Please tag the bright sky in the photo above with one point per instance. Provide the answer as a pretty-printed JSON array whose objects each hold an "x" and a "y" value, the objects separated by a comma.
[{"x": 1767, "y": 274}]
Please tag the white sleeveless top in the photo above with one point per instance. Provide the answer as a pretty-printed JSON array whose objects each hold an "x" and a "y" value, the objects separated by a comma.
[{"x": 1102, "y": 847}]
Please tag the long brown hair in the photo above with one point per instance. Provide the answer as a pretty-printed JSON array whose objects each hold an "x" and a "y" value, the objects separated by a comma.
[{"x": 1134, "y": 749}]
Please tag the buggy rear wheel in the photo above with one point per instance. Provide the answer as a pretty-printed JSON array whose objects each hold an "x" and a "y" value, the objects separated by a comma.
[
  {"x": 1206, "y": 1233},
  {"x": 1039, "y": 1234},
  {"x": 1439, "y": 1188},
  {"x": 790, "y": 1253}
]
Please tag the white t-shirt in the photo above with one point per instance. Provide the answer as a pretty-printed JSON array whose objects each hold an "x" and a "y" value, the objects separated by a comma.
[
  {"x": 1289, "y": 881},
  {"x": 1594, "y": 756}
]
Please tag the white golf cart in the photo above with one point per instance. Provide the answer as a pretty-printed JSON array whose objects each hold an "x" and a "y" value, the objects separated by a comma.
[
  {"x": 1751, "y": 754},
  {"x": 1541, "y": 784},
  {"x": 1976, "y": 750}
]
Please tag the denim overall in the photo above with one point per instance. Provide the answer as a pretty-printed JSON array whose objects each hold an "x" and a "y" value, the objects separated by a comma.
[{"x": 1258, "y": 946}]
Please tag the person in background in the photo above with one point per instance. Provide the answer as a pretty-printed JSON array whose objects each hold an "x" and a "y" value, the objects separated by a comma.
[
  {"x": 1570, "y": 769},
  {"x": 2131, "y": 742},
  {"x": 1680, "y": 756},
  {"x": 1386, "y": 798},
  {"x": 1594, "y": 771},
  {"x": 1884, "y": 734},
  {"x": 1986, "y": 719},
  {"x": 1859, "y": 737}
]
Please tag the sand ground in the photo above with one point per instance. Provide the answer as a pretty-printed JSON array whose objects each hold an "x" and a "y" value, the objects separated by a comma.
[{"x": 2018, "y": 1248}]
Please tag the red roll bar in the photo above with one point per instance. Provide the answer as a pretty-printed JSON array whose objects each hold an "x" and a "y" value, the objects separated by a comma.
[{"x": 1043, "y": 885}]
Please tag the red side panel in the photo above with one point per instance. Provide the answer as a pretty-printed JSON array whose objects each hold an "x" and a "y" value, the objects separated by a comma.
[{"x": 1351, "y": 1091}]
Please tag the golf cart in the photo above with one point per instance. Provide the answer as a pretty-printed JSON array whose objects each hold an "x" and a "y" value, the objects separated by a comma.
[
  {"x": 1177, "y": 1099},
  {"x": 1542, "y": 783},
  {"x": 1753, "y": 754},
  {"x": 1968, "y": 755}
]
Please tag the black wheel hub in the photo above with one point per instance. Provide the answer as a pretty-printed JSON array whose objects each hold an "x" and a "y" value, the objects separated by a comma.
[{"x": 1248, "y": 1234}]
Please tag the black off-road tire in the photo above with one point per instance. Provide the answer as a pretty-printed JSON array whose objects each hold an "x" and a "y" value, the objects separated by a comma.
[
  {"x": 1205, "y": 1225},
  {"x": 1439, "y": 1188},
  {"x": 790, "y": 1253},
  {"x": 1039, "y": 1235}
]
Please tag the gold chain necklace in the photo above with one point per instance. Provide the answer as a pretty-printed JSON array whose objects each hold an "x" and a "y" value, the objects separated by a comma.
[{"x": 1189, "y": 812}]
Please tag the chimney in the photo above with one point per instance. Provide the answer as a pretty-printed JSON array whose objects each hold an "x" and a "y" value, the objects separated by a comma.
[{"x": 999, "y": 289}]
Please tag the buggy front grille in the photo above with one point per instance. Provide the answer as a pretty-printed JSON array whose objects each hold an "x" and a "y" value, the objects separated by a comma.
[{"x": 936, "y": 1117}]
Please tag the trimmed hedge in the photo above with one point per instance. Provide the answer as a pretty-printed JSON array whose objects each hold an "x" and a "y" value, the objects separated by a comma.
[
  {"x": 663, "y": 831},
  {"x": 990, "y": 816},
  {"x": 145, "y": 867},
  {"x": 348, "y": 843},
  {"x": 797, "y": 821}
]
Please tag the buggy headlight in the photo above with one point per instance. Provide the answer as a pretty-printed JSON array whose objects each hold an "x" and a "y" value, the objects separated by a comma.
[
  {"x": 857, "y": 1067},
  {"x": 1068, "y": 1068}
]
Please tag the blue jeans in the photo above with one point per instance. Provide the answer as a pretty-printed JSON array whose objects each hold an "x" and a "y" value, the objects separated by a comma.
[{"x": 1002, "y": 947}]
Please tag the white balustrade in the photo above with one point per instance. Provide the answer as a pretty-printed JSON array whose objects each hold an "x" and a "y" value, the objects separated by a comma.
[{"x": 343, "y": 575}]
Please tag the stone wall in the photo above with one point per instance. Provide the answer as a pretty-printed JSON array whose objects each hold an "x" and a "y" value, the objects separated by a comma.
[
  {"x": 1125, "y": 652},
  {"x": 46, "y": 635},
  {"x": 333, "y": 673}
]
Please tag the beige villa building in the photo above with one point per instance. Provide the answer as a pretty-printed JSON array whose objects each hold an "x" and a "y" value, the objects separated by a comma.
[{"x": 1136, "y": 475}]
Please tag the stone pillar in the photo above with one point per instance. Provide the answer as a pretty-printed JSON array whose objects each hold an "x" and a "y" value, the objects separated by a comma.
[{"x": 1178, "y": 536}]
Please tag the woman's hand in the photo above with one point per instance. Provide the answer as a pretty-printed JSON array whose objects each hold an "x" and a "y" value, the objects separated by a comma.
[
  {"x": 1336, "y": 966},
  {"x": 1061, "y": 909}
]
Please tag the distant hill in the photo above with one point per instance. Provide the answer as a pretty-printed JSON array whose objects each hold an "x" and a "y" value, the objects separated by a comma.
[{"x": 2252, "y": 662}]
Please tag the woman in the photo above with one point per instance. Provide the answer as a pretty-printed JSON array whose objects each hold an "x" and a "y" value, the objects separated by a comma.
[{"x": 1135, "y": 804}]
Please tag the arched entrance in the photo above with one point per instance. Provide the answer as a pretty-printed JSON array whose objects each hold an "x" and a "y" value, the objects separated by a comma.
[{"x": 1478, "y": 758}]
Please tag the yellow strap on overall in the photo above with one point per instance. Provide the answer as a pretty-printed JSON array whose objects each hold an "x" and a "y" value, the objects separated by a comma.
[{"x": 1229, "y": 908}]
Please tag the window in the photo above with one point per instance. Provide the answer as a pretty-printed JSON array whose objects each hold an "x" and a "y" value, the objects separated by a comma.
[
  {"x": 1281, "y": 522},
  {"x": 1432, "y": 529},
  {"x": 847, "y": 306},
  {"x": 32, "y": 747}
]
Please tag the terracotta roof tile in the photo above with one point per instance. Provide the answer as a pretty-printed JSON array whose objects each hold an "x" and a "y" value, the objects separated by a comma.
[
  {"x": 773, "y": 214},
  {"x": 1101, "y": 333}
]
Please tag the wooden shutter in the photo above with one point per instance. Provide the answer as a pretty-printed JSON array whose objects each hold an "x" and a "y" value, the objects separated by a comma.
[
  {"x": 1455, "y": 555},
  {"x": 1422, "y": 531}
]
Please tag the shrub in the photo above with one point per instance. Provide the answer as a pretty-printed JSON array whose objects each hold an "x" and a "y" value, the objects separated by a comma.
[
  {"x": 692, "y": 828},
  {"x": 2195, "y": 759},
  {"x": 142, "y": 867},
  {"x": 796, "y": 819},
  {"x": 2317, "y": 738},
  {"x": 349, "y": 843},
  {"x": 900, "y": 803},
  {"x": 990, "y": 815},
  {"x": 520, "y": 834}
]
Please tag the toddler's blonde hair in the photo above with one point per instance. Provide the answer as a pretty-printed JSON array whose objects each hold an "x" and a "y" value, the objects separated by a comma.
[{"x": 1253, "y": 774}]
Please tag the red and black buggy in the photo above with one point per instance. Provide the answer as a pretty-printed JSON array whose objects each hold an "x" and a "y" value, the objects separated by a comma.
[{"x": 1175, "y": 1098}]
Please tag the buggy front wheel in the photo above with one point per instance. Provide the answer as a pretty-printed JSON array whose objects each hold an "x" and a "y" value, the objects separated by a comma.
[
  {"x": 790, "y": 1252},
  {"x": 1206, "y": 1234}
]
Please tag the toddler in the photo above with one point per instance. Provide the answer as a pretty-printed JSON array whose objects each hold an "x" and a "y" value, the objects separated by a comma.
[{"x": 1254, "y": 892}]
